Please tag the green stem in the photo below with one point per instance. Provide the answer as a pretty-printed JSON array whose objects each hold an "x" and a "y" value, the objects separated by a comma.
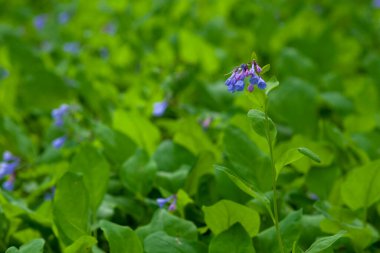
[{"x": 274, "y": 179}]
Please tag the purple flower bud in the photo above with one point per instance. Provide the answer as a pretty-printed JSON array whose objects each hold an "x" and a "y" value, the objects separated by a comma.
[
  {"x": 8, "y": 156},
  {"x": 59, "y": 113},
  {"x": 206, "y": 122},
  {"x": 40, "y": 21},
  {"x": 59, "y": 142},
  {"x": 250, "y": 87},
  {"x": 159, "y": 108},
  {"x": 173, "y": 206}
]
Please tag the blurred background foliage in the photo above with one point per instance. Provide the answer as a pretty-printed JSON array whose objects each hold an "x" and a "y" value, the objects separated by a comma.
[{"x": 113, "y": 60}]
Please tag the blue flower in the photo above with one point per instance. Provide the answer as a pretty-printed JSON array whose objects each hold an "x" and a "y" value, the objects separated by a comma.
[
  {"x": 236, "y": 81},
  {"x": 9, "y": 164},
  {"x": 59, "y": 114},
  {"x": 159, "y": 108},
  {"x": 71, "y": 47},
  {"x": 10, "y": 183},
  {"x": 59, "y": 142},
  {"x": 110, "y": 29},
  {"x": 39, "y": 21},
  {"x": 171, "y": 199},
  {"x": 63, "y": 17},
  {"x": 376, "y": 3}
]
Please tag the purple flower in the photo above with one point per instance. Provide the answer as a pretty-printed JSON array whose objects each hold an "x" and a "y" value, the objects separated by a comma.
[
  {"x": 50, "y": 195},
  {"x": 206, "y": 122},
  {"x": 236, "y": 81},
  {"x": 71, "y": 47},
  {"x": 376, "y": 3},
  {"x": 9, "y": 164},
  {"x": 159, "y": 108},
  {"x": 10, "y": 183},
  {"x": 59, "y": 142},
  {"x": 171, "y": 199},
  {"x": 63, "y": 17},
  {"x": 59, "y": 114},
  {"x": 39, "y": 21}
]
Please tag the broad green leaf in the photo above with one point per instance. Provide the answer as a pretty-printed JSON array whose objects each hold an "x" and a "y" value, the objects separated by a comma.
[
  {"x": 138, "y": 128},
  {"x": 95, "y": 170},
  {"x": 173, "y": 181},
  {"x": 169, "y": 156},
  {"x": 361, "y": 187},
  {"x": 262, "y": 125},
  {"x": 161, "y": 242},
  {"x": 233, "y": 240},
  {"x": 225, "y": 213},
  {"x": 286, "y": 158},
  {"x": 324, "y": 243},
  {"x": 34, "y": 246},
  {"x": 290, "y": 229},
  {"x": 246, "y": 187},
  {"x": 172, "y": 225},
  {"x": 271, "y": 85},
  {"x": 307, "y": 152},
  {"x": 83, "y": 245},
  {"x": 71, "y": 208},
  {"x": 247, "y": 160},
  {"x": 137, "y": 174},
  {"x": 117, "y": 146},
  {"x": 121, "y": 238}
]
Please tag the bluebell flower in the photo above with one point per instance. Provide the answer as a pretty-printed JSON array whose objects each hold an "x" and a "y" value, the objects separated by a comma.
[
  {"x": 376, "y": 3},
  {"x": 39, "y": 21},
  {"x": 71, "y": 47},
  {"x": 59, "y": 114},
  {"x": 63, "y": 17},
  {"x": 9, "y": 164},
  {"x": 171, "y": 199},
  {"x": 10, "y": 183},
  {"x": 110, "y": 29},
  {"x": 159, "y": 108},
  {"x": 59, "y": 142},
  {"x": 236, "y": 81}
]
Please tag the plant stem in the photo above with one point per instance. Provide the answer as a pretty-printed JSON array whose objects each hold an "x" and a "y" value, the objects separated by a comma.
[{"x": 274, "y": 179}]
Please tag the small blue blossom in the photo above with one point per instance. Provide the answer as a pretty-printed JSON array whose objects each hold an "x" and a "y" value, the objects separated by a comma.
[
  {"x": 39, "y": 21},
  {"x": 159, "y": 108},
  {"x": 161, "y": 202},
  {"x": 59, "y": 142},
  {"x": 9, "y": 164},
  {"x": 59, "y": 114},
  {"x": 236, "y": 81},
  {"x": 71, "y": 47},
  {"x": 376, "y": 3},
  {"x": 110, "y": 29},
  {"x": 10, "y": 183},
  {"x": 63, "y": 17}
]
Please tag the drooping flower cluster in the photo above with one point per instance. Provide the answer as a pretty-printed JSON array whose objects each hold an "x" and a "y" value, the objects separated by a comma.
[
  {"x": 236, "y": 81},
  {"x": 171, "y": 199},
  {"x": 58, "y": 115},
  {"x": 7, "y": 169}
]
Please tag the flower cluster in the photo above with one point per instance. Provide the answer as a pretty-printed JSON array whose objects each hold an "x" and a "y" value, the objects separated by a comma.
[
  {"x": 236, "y": 81},
  {"x": 171, "y": 199},
  {"x": 58, "y": 116},
  {"x": 7, "y": 168}
]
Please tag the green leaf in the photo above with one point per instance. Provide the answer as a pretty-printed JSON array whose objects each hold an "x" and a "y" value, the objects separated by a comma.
[
  {"x": 117, "y": 146},
  {"x": 225, "y": 213},
  {"x": 71, "y": 208},
  {"x": 95, "y": 170},
  {"x": 138, "y": 128},
  {"x": 286, "y": 158},
  {"x": 172, "y": 225},
  {"x": 361, "y": 187},
  {"x": 233, "y": 240},
  {"x": 160, "y": 242},
  {"x": 247, "y": 160},
  {"x": 83, "y": 245},
  {"x": 121, "y": 238},
  {"x": 137, "y": 174},
  {"x": 324, "y": 243},
  {"x": 34, "y": 246},
  {"x": 260, "y": 124},
  {"x": 290, "y": 229},
  {"x": 271, "y": 85},
  {"x": 307, "y": 152},
  {"x": 265, "y": 69}
]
